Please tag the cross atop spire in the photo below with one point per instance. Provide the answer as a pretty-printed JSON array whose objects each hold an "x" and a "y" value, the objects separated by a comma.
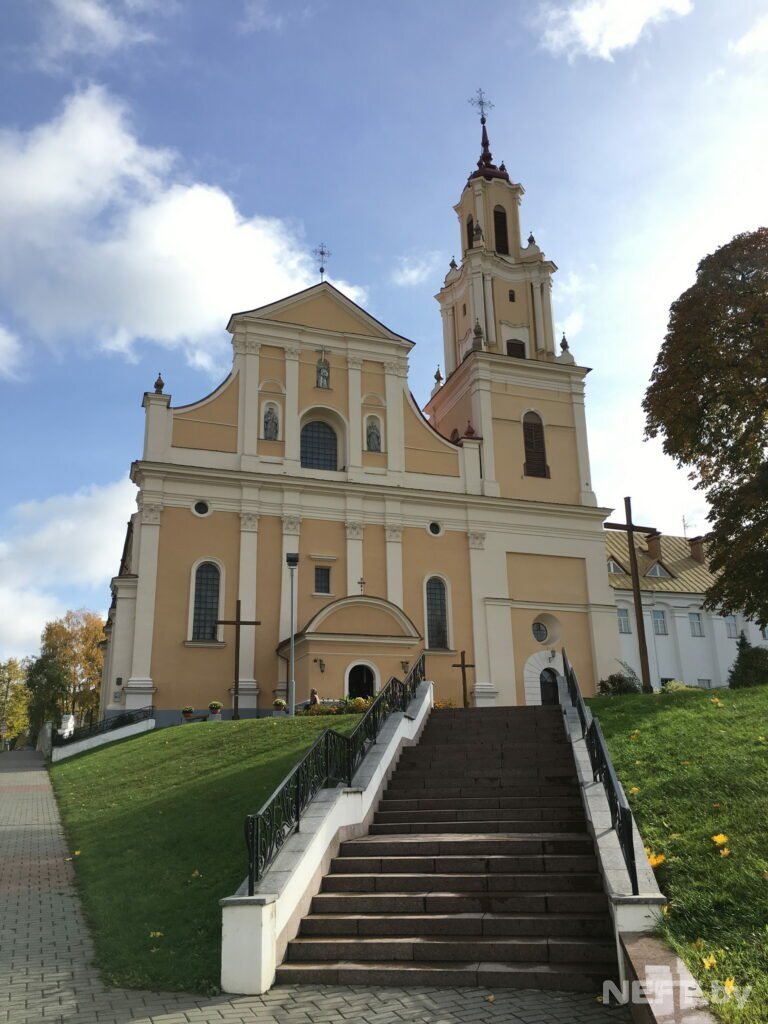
[
  {"x": 322, "y": 254},
  {"x": 486, "y": 168}
]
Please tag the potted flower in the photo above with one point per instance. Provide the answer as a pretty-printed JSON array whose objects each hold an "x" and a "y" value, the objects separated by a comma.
[
  {"x": 279, "y": 705},
  {"x": 215, "y": 707},
  {"x": 187, "y": 712}
]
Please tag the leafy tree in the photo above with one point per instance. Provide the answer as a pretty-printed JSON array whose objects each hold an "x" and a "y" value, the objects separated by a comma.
[
  {"x": 14, "y": 699},
  {"x": 707, "y": 400},
  {"x": 66, "y": 677}
]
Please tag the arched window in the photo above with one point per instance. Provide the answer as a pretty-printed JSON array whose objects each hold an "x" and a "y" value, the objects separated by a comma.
[
  {"x": 500, "y": 230},
  {"x": 437, "y": 613},
  {"x": 535, "y": 452},
  {"x": 206, "y": 609},
  {"x": 470, "y": 232},
  {"x": 318, "y": 446}
]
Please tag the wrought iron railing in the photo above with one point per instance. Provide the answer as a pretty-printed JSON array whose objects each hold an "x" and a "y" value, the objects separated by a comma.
[
  {"x": 83, "y": 732},
  {"x": 331, "y": 759},
  {"x": 603, "y": 771}
]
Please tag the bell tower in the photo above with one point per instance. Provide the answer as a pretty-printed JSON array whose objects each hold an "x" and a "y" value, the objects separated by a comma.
[{"x": 502, "y": 367}]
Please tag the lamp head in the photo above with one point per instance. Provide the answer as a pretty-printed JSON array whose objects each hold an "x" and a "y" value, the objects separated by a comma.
[{"x": 292, "y": 559}]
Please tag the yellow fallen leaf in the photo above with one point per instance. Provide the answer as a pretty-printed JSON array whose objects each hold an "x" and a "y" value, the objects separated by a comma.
[
  {"x": 709, "y": 962},
  {"x": 728, "y": 986}
]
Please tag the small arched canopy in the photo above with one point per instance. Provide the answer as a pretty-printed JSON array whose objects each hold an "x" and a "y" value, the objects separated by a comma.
[
  {"x": 500, "y": 230},
  {"x": 319, "y": 446},
  {"x": 535, "y": 450}
]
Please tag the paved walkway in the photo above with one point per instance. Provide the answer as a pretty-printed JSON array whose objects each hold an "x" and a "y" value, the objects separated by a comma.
[{"x": 47, "y": 975}]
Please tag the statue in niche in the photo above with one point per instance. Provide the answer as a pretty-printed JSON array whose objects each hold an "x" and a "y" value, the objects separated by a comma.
[
  {"x": 323, "y": 379},
  {"x": 373, "y": 436},
  {"x": 271, "y": 424}
]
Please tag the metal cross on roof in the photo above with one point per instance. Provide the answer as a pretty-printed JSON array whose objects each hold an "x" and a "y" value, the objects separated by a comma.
[
  {"x": 322, "y": 254},
  {"x": 481, "y": 101}
]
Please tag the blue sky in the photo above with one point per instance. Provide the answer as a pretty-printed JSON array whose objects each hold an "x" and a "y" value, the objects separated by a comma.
[{"x": 166, "y": 162}]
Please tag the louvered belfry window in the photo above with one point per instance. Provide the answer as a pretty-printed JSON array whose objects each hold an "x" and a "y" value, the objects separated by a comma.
[
  {"x": 500, "y": 230},
  {"x": 535, "y": 451},
  {"x": 207, "y": 580}
]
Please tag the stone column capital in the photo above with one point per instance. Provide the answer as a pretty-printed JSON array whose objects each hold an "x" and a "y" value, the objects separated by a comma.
[
  {"x": 291, "y": 525},
  {"x": 249, "y": 522}
]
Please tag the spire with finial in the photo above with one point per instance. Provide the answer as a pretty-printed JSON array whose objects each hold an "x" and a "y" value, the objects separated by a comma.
[
  {"x": 486, "y": 168},
  {"x": 453, "y": 265},
  {"x": 159, "y": 384},
  {"x": 438, "y": 376},
  {"x": 564, "y": 343}
]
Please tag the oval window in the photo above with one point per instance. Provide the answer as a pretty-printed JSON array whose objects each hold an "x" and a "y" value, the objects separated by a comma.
[
  {"x": 540, "y": 632},
  {"x": 201, "y": 508}
]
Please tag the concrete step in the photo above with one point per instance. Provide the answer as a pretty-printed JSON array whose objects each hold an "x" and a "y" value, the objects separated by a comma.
[
  {"x": 447, "y": 845},
  {"x": 390, "y": 803},
  {"x": 497, "y": 948},
  {"x": 552, "y": 925},
  {"x": 555, "y": 976},
  {"x": 543, "y": 814},
  {"x": 531, "y": 881},
  {"x": 464, "y": 864},
  {"x": 478, "y": 825},
  {"x": 460, "y": 903}
]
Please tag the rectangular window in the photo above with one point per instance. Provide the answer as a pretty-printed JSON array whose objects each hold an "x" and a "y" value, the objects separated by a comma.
[
  {"x": 322, "y": 579},
  {"x": 705, "y": 683},
  {"x": 659, "y": 623},
  {"x": 730, "y": 626},
  {"x": 516, "y": 349},
  {"x": 623, "y": 614},
  {"x": 697, "y": 626}
]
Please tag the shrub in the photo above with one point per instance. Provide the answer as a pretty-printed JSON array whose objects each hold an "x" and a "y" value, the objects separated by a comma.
[
  {"x": 750, "y": 667},
  {"x": 314, "y": 710},
  {"x": 444, "y": 704},
  {"x": 617, "y": 684},
  {"x": 215, "y": 706},
  {"x": 676, "y": 686}
]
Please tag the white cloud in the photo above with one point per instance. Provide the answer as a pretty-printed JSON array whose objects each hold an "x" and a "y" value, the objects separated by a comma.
[
  {"x": 754, "y": 40},
  {"x": 573, "y": 323},
  {"x": 259, "y": 16},
  {"x": 597, "y": 28},
  {"x": 69, "y": 541},
  {"x": 10, "y": 354},
  {"x": 102, "y": 239},
  {"x": 413, "y": 270},
  {"x": 87, "y": 27}
]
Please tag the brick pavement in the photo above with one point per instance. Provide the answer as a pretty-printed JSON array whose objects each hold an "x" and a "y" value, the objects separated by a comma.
[{"x": 47, "y": 975}]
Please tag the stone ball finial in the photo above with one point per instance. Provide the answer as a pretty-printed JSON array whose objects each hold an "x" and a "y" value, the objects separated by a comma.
[
  {"x": 531, "y": 239},
  {"x": 477, "y": 330},
  {"x": 438, "y": 376},
  {"x": 564, "y": 343},
  {"x": 159, "y": 385},
  {"x": 453, "y": 264}
]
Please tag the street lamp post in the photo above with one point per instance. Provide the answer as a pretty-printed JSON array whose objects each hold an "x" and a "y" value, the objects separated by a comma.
[{"x": 292, "y": 561}]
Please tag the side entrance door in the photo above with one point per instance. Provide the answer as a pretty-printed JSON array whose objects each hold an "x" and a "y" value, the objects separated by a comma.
[
  {"x": 361, "y": 681},
  {"x": 548, "y": 681}
]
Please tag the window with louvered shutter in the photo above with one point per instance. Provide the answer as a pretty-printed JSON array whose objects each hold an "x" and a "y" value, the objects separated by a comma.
[
  {"x": 500, "y": 230},
  {"x": 535, "y": 451},
  {"x": 470, "y": 232},
  {"x": 207, "y": 579}
]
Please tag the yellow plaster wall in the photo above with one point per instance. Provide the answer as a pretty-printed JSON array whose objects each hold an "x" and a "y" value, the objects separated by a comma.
[
  {"x": 373, "y": 380},
  {"x": 325, "y": 313},
  {"x": 458, "y": 416},
  {"x": 273, "y": 449},
  {"x": 320, "y": 537},
  {"x": 192, "y": 675},
  {"x": 271, "y": 365},
  {"x": 425, "y": 452},
  {"x": 210, "y": 425},
  {"x": 517, "y": 312},
  {"x": 550, "y": 578},
  {"x": 447, "y": 556},
  {"x": 362, "y": 619},
  {"x": 575, "y": 637},
  {"x": 338, "y": 657},
  {"x": 375, "y": 560}
]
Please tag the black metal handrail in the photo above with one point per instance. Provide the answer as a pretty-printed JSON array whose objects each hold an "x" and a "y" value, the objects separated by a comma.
[
  {"x": 331, "y": 759},
  {"x": 603, "y": 771},
  {"x": 83, "y": 732}
]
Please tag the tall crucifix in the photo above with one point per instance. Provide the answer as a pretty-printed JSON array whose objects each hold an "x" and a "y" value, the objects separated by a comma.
[
  {"x": 464, "y": 665},
  {"x": 322, "y": 254},
  {"x": 629, "y": 528},
  {"x": 237, "y": 622},
  {"x": 481, "y": 101}
]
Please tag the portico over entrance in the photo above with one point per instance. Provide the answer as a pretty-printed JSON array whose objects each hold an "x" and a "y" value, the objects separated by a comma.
[{"x": 352, "y": 647}]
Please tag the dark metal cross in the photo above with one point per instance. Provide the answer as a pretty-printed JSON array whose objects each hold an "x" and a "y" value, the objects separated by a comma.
[
  {"x": 481, "y": 101},
  {"x": 237, "y": 622},
  {"x": 464, "y": 665},
  {"x": 322, "y": 254},
  {"x": 629, "y": 528},
  {"x": 361, "y": 584}
]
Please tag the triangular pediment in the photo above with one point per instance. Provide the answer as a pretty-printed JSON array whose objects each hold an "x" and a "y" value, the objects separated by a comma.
[{"x": 324, "y": 308}]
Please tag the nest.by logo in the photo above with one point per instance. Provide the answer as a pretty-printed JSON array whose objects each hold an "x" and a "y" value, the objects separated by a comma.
[{"x": 666, "y": 994}]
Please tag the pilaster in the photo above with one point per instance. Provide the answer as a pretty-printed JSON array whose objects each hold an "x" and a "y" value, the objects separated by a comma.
[
  {"x": 394, "y": 535},
  {"x": 247, "y": 362},
  {"x": 490, "y": 316},
  {"x": 291, "y": 425},
  {"x": 291, "y": 535},
  {"x": 538, "y": 317},
  {"x": 354, "y": 556},
  {"x": 586, "y": 494},
  {"x": 394, "y": 396},
  {"x": 354, "y": 368},
  {"x": 449, "y": 338},
  {"x": 249, "y": 536},
  {"x": 140, "y": 688}
]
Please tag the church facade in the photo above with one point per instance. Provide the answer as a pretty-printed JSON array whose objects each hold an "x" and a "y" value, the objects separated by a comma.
[{"x": 469, "y": 526}]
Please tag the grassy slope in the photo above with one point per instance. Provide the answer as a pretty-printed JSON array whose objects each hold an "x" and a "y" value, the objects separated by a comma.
[
  {"x": 158, "y": 823},
  {"x": 702, "y": 769}
]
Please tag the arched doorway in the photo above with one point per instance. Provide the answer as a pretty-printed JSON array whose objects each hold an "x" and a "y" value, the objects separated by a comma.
[
  {"x": 548, "y": 683},
  {"x": 361, "y": 681}
]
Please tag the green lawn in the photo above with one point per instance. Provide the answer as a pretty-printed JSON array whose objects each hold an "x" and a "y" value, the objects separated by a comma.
[
  {"x": 155, "y": 826},
  {"x": 702, "y": 770}
]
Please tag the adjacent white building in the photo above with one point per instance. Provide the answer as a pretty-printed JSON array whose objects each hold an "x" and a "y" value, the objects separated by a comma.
[{"x": 685, "y": 641}]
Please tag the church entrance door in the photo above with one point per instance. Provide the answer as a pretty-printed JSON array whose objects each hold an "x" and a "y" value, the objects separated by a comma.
[
  {"x": 361, "y": 680},
  {"x": 549, "y": 692}
]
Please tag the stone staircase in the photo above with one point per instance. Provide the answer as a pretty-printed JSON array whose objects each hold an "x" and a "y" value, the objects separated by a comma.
[{"x": 478, "y": 869}]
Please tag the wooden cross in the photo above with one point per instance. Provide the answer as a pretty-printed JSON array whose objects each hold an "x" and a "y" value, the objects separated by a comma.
[
  {"x": 237, "y": 622},
  {"x": 464, "y": 665},
  {"x": 629, "y": 528}
]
